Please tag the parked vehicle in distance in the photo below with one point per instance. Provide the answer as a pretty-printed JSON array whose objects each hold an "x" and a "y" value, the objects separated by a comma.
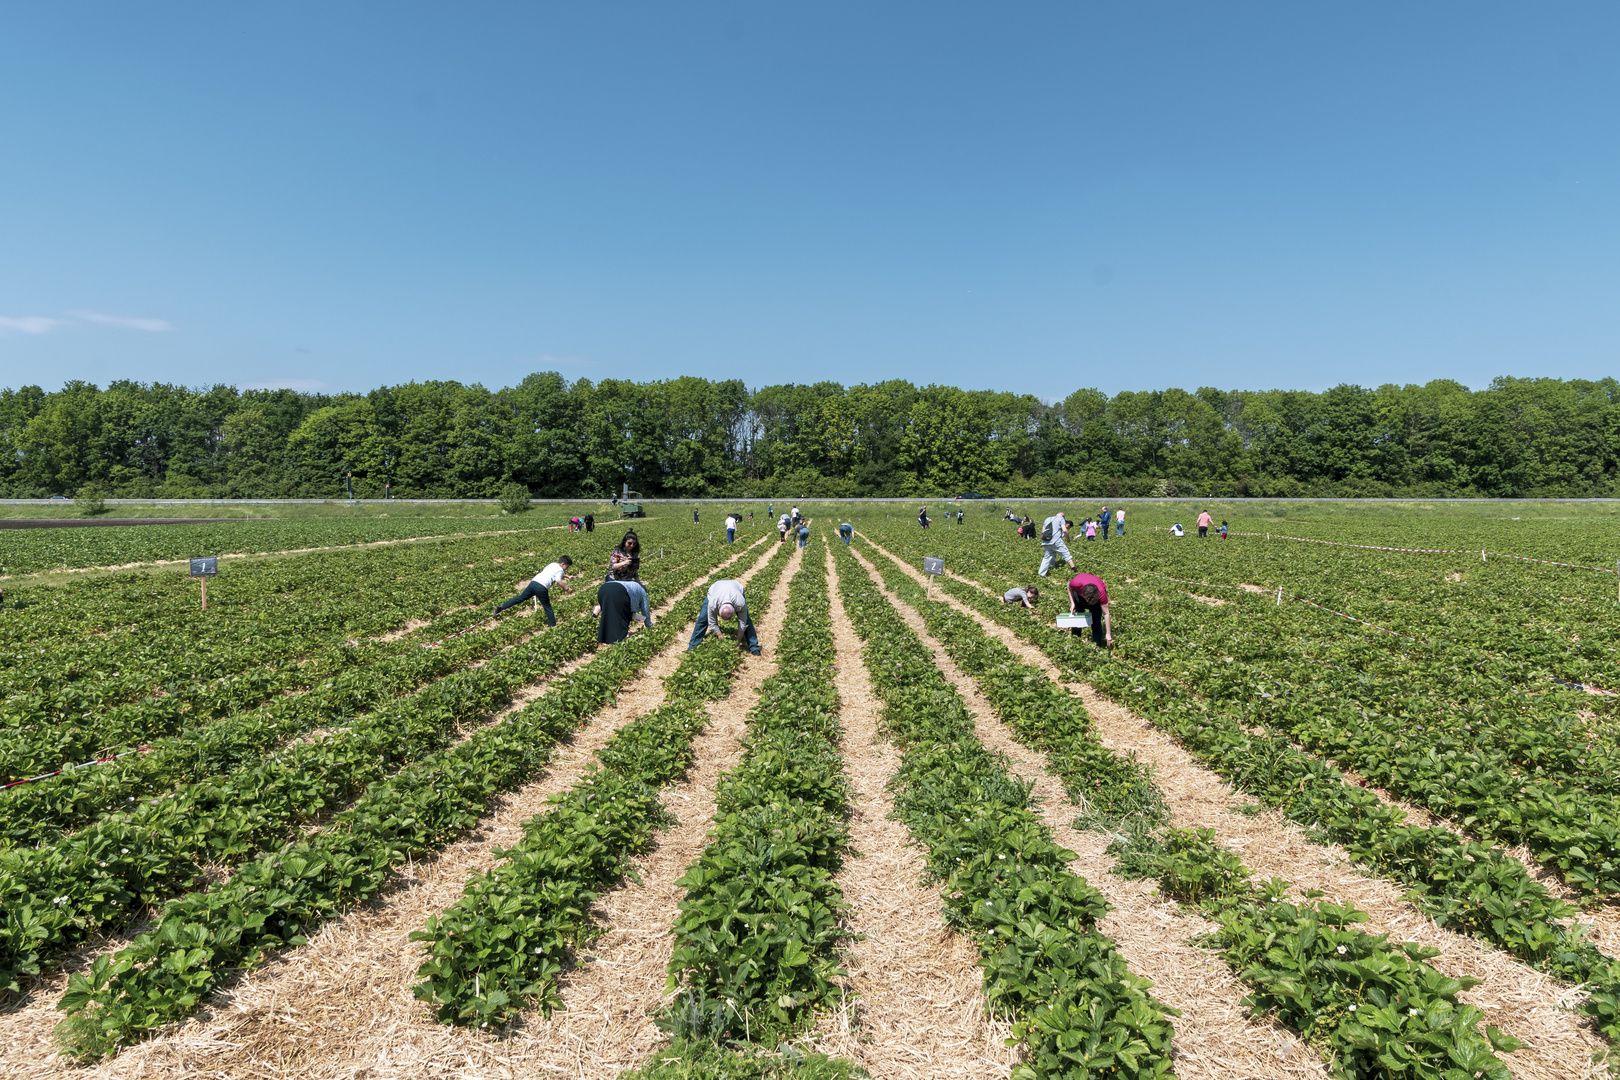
[
  {"x": 972, "y": 495},
  {"x": 630, "y": 509}
]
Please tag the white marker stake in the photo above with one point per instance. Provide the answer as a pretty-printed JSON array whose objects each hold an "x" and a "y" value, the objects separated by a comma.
[
  {"x": 1482, "y": 555},
  {"x": 1279, "y": 596}
]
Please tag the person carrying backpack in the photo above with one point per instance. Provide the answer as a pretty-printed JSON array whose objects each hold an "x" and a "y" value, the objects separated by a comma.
[{"x": 1054, "y": 531}]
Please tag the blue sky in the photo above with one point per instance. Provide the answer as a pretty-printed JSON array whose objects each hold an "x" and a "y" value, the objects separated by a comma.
[{"x": 1030, "y": 197}]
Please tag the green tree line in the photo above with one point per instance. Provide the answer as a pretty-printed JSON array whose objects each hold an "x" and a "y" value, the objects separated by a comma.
[{"x": 692, "y": 437}]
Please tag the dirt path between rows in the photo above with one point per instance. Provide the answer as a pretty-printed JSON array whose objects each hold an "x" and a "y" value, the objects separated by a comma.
[
  {"x": 1518, "y": 999},
  {"x": 609, "y": 1003},
  {"x": 342, "y": 1004},
  {"x": 1215, "y": 1037},
  {"x": 920, "y": 1010}
]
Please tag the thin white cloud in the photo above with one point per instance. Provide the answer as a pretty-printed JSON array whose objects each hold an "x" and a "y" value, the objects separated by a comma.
[
  {"x": 552, "y": 362},
  {"x": 28, "y": 324},
  {"x": 305, "y": 386},
  {"x": 129, "y": 322}
]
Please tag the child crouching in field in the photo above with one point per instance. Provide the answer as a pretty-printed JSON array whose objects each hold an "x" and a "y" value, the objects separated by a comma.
[{"x": 1024, "y": 597}]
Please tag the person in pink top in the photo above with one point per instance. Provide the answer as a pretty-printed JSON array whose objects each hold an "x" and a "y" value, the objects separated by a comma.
[
  {"x": 1090, "y": 592},
  {"x": 1204, "y": 522}
]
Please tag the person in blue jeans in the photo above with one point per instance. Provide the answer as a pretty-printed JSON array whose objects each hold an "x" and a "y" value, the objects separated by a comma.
[
  {"x": 731, "y": 529},
  {"x": 725, "y": 600},
  {"x": 846, "y": 530},
  {"x": 804, "y": 533},
  {"x": 638, "y": 600},
  {"x": 540, "y": 587}
]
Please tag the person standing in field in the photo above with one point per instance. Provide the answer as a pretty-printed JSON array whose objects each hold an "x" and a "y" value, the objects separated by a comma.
[
  {"x": 731, "y": 529},
  {"x": 590, "y": 522},
  {"x": 1103, "y": 521},
  {"x": 846, "y": 530},
  {"x": 1223, "y": 530},
  {"x": 1119, "y": 520},
  {"x": 1204, "y": 522},
  {"x": 959, "y": 516},
  {"x": 922, "y": 517},
  {"x": 726, "y": 600},
  {"x": 1089, "y": 592},
  {"x": 1054, "y": 532},
  {"x": 624, "y": 563},
  {"x": 1024, "y": 597},
  {"x": 794, "y": 519},
  {"x": 1091, "y": 529},
  {"x": 540, "y": 587}
]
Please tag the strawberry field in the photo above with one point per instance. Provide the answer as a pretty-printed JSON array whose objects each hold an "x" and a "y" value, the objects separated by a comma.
[{"x": 1326, "y": 808}]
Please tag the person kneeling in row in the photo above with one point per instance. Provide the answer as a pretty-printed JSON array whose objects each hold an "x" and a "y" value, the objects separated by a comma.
[
  {"x": 725, "y": 601},
  {"x": 540, "y": 587},
  {"x": 1090, "y": 592}
]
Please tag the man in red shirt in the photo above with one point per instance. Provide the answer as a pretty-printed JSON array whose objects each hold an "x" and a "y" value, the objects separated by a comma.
[
  {"x": 1204, "y": 522},
  {"x": 1090, "y": 592}
]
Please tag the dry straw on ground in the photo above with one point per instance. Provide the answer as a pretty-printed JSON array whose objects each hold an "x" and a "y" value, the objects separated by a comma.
[
  {"x": 917, "y": 1007},
  {"x": 342, "y": 1005},
  {"x": 1215, "y": 1037},
  {"x": 1519, "y": 1000}
]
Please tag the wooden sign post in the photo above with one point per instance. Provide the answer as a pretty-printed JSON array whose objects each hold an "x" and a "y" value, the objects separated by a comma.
[
  {"x": 933, "y": 568},
  {"x": 205, "y": 569}
]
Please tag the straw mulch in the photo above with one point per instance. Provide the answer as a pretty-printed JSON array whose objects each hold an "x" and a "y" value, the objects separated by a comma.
[
  {"x": 609, "y": 1003},
  {"x": 1518, "y": 999},
  {"x": 916, "y": 1007},
  {"x": 342, "y": 1006},
  {"x": 1215, "y": 1037}
]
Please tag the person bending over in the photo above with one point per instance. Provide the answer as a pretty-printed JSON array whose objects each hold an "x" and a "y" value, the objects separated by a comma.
[
  {"x": 1022, "y": 596},
  {"x": 727, "y": 601},
  {"x": 846, "y": 530},
  {"x": 613, "y": 612},
  {"x": 540, "y": 587},
  {"x": 1089, "y": 592}
]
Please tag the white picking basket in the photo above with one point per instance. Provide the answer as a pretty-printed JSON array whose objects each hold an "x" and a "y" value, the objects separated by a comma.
[{"x": 1067, "y": 621}]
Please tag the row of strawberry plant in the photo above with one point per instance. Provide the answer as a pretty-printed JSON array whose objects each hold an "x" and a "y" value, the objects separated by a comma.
[
  {"x": 1399, "y": 740},
  {"x": 1466, "y": 885},
  {"x": 504, "y": 945},
  {"x": 99, "y": 877},
  {"x": 39, "y": 812},
  {"x": 274, "y": 900},
  {"x": 1114, "y": 791},
  {"x": 1079, "y": 1010},
  {"x": 758, "y": 931},
  {"x": 1373, "y": 1007},
  {"x": 135, "y": 687}
]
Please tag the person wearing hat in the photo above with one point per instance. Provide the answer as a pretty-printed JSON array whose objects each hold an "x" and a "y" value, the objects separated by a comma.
[{"x": 727, "y": 601}]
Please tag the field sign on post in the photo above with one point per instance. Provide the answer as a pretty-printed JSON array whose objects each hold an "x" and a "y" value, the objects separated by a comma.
[
  {"x": 204, "y": 569},
  {"x": 933, "y": 568}
]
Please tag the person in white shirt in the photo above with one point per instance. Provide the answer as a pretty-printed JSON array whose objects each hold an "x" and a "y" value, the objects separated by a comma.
[
  {"x": 725, "y": 601},
  {"x": 540, "y": 586},
  {"x": 731, "y": 529},
  {"x": 782, "y": 527}
]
